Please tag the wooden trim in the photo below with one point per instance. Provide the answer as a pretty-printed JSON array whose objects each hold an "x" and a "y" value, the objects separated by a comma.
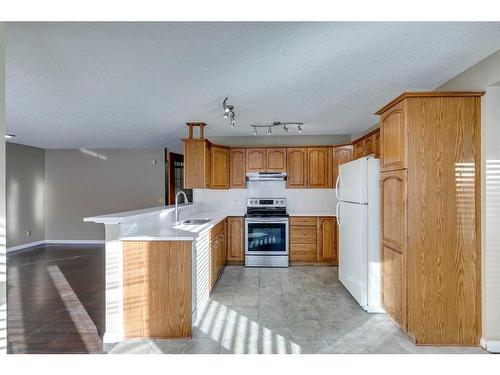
[{"x": 428, "y": 94}]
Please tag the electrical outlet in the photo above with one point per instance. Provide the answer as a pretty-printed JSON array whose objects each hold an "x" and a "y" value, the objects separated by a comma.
[
  {"x": 160, "y": 200},
  {"x": 28, "y": 233}
]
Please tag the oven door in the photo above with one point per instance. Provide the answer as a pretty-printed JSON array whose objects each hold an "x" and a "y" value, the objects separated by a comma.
[{"x": 266, "y": 236}]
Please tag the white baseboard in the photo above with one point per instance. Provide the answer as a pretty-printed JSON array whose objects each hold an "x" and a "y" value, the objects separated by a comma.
[
  {"x": 48, "y": 242},
  {"x": 492, "y": 346}
]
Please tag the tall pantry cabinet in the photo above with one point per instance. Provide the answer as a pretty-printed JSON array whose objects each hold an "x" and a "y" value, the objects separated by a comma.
[{"x": 430, "y": 215}]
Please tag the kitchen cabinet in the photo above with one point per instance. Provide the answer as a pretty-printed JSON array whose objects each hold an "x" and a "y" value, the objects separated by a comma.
[
  {"x": 393, "y": 138},
  {"x": 196, "y": 163},
  {"x": 341, "y": 155},
  {"x": 237, "y": 176},
  {"x": 313, "y": 239},
  {"x": 276, "y": 159},
  {"x": 217, "y": 251},
  {"x": 296, "y": 167},
  {"x": 326, "y": 239},
  {"x": 367, "y": 145},
  {"x": 430, "y": 216},
  {"x": 256, "y": 160},
  {"x": 319, "y": 167},
  {"x": 235, "y": 240},
  {"x": 392, "y": 295},
  {"x": 219, "y": 171},
  {"x": 303, "y": 239}
]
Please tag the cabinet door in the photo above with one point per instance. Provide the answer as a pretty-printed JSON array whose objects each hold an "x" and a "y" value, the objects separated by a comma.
[
  {"x": 196, "y": 164},
  {"x": 341, "y": 155},
  {"x": 376, "y": 141},
  {"x": 393, "y": 232},
  {"x": 358, "y": 149},
  {"x": 219, "y": 168},
  {"x": 393, "y": 209},
  {"x": 237, "y": 178},
  {"x": 235, "y": 239},
  {"x": 303, "y": 252},
  {"x": 296, "y": 167},
  {"x": 276, "y": 159},
  {"x": 392, "y": 297},
  {"x": 369, "y": 146},
  {"x": 214, "y": 260},
  {"x": 256, "y": 160},
  {"x": 327, "y": 239},
  {"x": 393, "y": 138},
  {"x": 320, "y": 167}
]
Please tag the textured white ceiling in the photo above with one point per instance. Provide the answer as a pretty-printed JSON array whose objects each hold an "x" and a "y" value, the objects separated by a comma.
[{"x": 136, "y": 84}]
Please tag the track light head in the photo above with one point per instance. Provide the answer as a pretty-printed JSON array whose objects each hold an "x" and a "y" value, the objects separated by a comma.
[
  {"x": 269, "y": 132},
  {"x": 300, "y": 128},
  {"x": 254, "y": 131}
]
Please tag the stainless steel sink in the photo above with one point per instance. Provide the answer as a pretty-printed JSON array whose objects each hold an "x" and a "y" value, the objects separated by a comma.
[{"x": 195, "y": 221}]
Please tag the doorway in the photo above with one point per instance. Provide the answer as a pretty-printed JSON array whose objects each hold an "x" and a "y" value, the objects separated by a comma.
[{"x": 176, "y": 178}]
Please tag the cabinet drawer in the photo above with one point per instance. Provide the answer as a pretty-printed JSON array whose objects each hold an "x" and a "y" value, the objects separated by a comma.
[
  {"x": 303, "y": 235},
  {"x": 303, "y": 252},
  {"x": 303, "y": 220}
]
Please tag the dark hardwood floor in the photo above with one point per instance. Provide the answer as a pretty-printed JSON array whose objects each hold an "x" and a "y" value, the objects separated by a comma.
[{"x": 55, "y": 299}]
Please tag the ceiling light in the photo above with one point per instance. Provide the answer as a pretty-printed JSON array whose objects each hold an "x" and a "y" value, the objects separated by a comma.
[
  {"x": 228, "y": 111},
  {"x": 9, "y": 136},
  {"x": 277, "y": 123},
  {"x": 233, "y": 121}
]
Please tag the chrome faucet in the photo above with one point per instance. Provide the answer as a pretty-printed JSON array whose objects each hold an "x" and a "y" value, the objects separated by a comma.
[{"x": 177, "y": 203}]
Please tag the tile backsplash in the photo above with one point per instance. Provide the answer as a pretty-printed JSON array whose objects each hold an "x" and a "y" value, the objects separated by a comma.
[{"x": 297, "y": 199}]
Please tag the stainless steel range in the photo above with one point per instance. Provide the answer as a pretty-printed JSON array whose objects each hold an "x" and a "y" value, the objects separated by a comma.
[{"x": 266, "y": 233}]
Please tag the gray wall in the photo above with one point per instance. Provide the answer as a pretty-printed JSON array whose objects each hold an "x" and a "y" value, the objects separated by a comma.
[
  {"x": 3, "y": 263},
  {"x": 25, "y": 194},
  {"x": 82, "y": 183},
  {"x": 278, "y": 140},
  {"x": 485, "y": 75}
]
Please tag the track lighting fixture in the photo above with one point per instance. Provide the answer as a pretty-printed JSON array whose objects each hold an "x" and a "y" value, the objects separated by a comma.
[
  {"x": 277, "y": 123},
  {"x": 229, "y": 112}
]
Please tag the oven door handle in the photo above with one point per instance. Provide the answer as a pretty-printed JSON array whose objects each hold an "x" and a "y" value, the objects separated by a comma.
[{"x": 266, "y": 220}]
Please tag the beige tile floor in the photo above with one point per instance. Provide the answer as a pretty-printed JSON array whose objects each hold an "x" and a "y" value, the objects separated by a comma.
[{"x": 294, "y": 310}]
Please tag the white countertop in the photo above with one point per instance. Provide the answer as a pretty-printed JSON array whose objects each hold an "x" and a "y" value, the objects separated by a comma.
[
  {"x": 167, "y": 230},
  {"x": 310, "y": 213},
  {"x": 157, "y": 224}
]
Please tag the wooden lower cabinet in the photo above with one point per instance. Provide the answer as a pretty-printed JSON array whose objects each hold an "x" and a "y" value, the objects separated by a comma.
[
  {"x": 313, "y": 239},
  {"x": 392, "y": 282},
  {"x": 235, "y": 239},
  {"x": 327, "y": 239},
  {"x": 157, "y": 288},
  {"x": 217, "y": 251}
]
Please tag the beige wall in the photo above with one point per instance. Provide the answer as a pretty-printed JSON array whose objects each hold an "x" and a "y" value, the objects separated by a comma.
[
  {"x": 277, "y": 140},
  {"x": 82, "y": 183},
  {"x": 3, "y": 261},
  {"x": 484, "y": 76},
  {"x": 25, "y": 194}
]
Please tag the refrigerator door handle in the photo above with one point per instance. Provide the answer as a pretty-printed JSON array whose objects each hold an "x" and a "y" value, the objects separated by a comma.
[
  {"x": 337, "y": 214},
  {"x": 337, "y": 187}
]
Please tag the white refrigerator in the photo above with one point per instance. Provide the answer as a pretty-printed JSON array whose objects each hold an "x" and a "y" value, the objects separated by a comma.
[{"x": 358, "y": 218}]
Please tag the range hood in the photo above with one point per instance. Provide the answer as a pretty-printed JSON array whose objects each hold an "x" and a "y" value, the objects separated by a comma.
[{"x": 266, "y": 176}]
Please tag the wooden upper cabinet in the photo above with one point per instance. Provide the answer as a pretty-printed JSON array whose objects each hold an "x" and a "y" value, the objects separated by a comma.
[
  {"x": 393, "y": 209},
  {"x": 219, "y": 168},
  {"x": 320, "y": 167},
  {"x": 235, "y": 239},
  {"x": 376, "y": 140},
  {"x": 276, "y": 159},
  {"x": 296, "y": 167},
  {"x": 196, "y": 163},
  {"x": 237, "y": 177},
  {"x": 256, "y": 160},
  {"x": 341, "y": 155},
  {"x": 393, "y": 138},
  {"x": 369, "y": 146},
  {"x": 327, "y": 239}
]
